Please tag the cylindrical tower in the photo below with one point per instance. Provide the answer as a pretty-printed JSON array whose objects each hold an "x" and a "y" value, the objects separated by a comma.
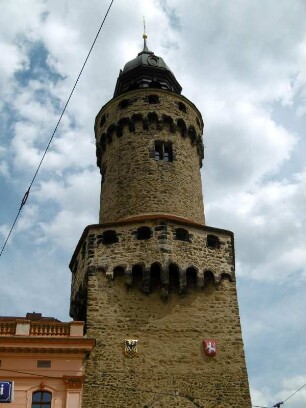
[
  {"x": 149, "y": 146},
  {"x": 155, "y": 285}
]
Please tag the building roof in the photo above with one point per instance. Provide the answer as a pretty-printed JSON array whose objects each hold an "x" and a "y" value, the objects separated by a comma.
[{"x": 147, "y": 70}]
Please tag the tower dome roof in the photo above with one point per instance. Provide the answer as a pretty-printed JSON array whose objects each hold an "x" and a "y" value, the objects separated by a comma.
[
  {"x": 146, "y": 58},
  {"x": 147, "y": 70}
]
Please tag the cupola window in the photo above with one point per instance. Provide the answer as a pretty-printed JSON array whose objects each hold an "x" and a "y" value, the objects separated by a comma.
[{"x": 163, "y": 151}]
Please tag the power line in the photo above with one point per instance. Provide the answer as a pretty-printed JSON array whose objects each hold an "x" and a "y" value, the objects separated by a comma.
[
  {"x": 294, "y": 392},
  {"x": 278, "y": 404},
  {"x": 33, "y": 374},
  {"x": 26, "y": 195},
  {"x": 147, "y": 390}
]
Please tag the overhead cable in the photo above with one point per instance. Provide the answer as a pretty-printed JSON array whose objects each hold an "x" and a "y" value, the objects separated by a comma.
[{"x": 26, "y": 195}]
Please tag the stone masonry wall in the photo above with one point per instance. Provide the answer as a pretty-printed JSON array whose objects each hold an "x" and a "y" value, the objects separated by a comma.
[
  {"x": 170, "y": 356},
  {"x": 134, "y": 182}
]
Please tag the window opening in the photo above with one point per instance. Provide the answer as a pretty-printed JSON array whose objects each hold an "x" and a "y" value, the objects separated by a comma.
[
  {"x": 163, "y": 151},
  {"x": 174, "y": 278},
  {"x": 124, "y": 103},
  {"x": 118, "y": 271},
  {"x": 226, "y": 276},
  {"x": 41, "y": 399},
  {"x": 143, "y": 233},
  {"x": 43, "y": 363},
  {"x": 154, "y": 99},
  {"x": 181, "y": 234},
  {"x": 182, "y": 107},
  {"x": 155, "y": 278},
  {"x": 191, "y": 278},
  {"x": 137, "y": 276},
  {"x": 109, "y": 237},
  {"x": 182, "y": 126},
  {"x": 213, "y": 241},
  {"x": 209, "y": 278},
  {"x": 155, "y": 84}
]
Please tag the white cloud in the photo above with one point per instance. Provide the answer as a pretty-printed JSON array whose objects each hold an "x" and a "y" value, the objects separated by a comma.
[
  {"x": 269, "y": 228},
  {"x": 77, "y": 197},
  {"x": 243, "y": 144}
]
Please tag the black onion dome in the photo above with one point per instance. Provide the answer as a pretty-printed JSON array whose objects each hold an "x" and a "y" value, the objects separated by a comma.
[{"x": 146, "y": 71}]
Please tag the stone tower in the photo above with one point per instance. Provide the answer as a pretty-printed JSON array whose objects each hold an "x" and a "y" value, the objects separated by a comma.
[{"x": 155, "y": 285}]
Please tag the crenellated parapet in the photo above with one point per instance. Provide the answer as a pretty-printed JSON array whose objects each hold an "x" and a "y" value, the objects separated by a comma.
[
  {"x": 182, "y": 117},
  {"x": 165, "y": 255},
  {"x": 152, "y": 121}
]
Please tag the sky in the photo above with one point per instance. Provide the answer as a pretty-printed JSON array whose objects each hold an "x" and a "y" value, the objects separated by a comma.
[{"x": 242, "y": 63}]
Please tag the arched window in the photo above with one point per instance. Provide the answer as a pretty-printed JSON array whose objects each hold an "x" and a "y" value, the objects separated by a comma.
[
  {"x": 41, "y": 399},
  {"x": 174, "y": 278},
  {"x": 182, "y": 126},
  {"x": 213, "y": 241},
  {"x": 124, "y": 103},
  {"x": 209, "y": 278},
  {"x": 181, "y": 234},
  {"x": 137, "y": 276},
  {"x": 118, "y": 271},
  {"x": 226, "y": 276},
  {"x": 143, "y": 233},
  {"x": 191, "y": 278},
  {"x": 182, "y": 107},
  {"x": 154, "y": 277}
]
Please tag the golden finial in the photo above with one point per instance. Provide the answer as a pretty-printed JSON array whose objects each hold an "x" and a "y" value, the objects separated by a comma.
[{"x": 144, "y": 35}]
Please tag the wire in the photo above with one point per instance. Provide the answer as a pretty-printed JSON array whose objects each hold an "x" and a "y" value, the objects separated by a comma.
[
  {"x": 295, "y": 392},
  {"x": 34, "y": 374},
  {"x": 132, "y": 389},
  {"x": 136, "y": 390},
  {"x": 24, "y": 200},
  {"x": 278, "y": 404}
]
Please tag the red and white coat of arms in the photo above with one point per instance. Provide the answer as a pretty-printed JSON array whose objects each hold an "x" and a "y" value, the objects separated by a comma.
[{"x": 210, "y": 347}]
